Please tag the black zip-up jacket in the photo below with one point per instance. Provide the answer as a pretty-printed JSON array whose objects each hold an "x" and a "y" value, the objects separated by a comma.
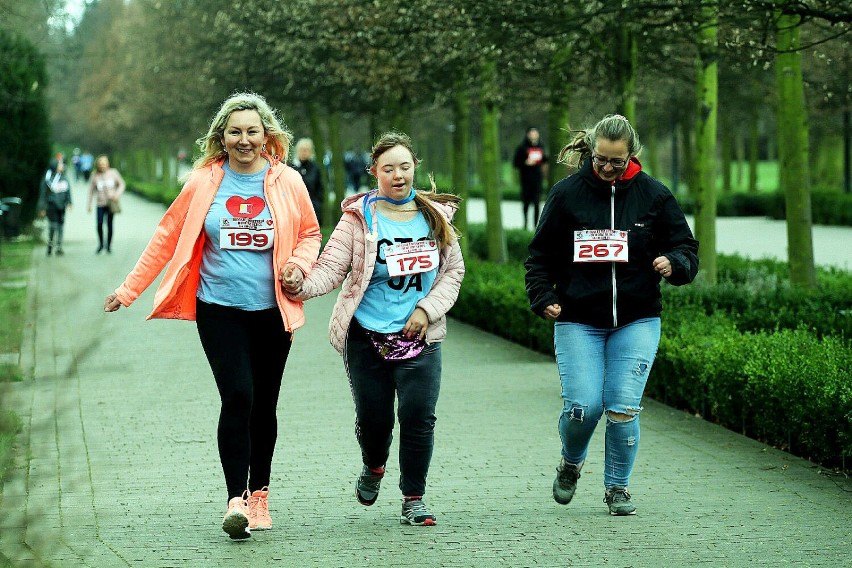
[{"x": 608, "y": 294}]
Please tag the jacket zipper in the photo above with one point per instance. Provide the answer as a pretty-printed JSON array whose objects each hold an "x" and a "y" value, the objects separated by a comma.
[{"x": 612, "y": 227}]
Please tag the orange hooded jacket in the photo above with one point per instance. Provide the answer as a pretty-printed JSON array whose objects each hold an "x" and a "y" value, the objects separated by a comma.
[{"x": 179, "y": 241}]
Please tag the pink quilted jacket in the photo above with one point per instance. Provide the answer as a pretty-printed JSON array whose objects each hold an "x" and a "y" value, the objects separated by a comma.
[{"x": 352, "y": 246}]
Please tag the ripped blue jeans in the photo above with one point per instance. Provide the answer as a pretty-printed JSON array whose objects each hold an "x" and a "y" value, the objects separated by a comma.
[{"x": 604, "y": 370}]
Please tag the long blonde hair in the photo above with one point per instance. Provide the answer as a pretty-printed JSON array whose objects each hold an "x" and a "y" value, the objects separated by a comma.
[
  {"x": 278, "y": 141},
  {"x": 611, "y": 127},
  {"x": 442, "y": 230}
]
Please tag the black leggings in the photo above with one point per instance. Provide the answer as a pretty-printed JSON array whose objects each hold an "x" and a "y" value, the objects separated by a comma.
[{"x": 247, "y": 352}]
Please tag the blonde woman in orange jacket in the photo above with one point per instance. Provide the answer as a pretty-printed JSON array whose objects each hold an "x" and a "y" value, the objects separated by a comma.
[{"x": 243, "y": 220}]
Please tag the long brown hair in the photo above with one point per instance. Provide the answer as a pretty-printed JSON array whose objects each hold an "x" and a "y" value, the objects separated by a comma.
[{"x": 442, "y": 230}]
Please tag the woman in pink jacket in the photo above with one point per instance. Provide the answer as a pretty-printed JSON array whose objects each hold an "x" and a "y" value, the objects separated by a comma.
[
  {"x": 398, "y": 258},
  {"x": 105, "y": 188},
  {"x": 242, "y": 218}
]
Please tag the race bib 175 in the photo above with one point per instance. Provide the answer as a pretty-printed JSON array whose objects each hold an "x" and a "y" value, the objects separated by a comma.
[{"x": 411, "y": 258}]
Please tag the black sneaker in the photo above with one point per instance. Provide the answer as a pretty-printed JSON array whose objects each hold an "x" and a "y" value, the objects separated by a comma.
[
  {"x": 565, "y": 483},
  {"x": 618, "y": 501},
  {"x": 368, "y": 484},
  {"x": 49, "y": 249},
  {"x": 415, "y": 513}
]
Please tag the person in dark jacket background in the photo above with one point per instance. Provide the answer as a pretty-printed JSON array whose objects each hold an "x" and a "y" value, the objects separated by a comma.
[
  {"x": 305, "y": 164},
  {"x": 54, "y": 199},
  {"x": 531, "y": 162},
  {"x": 626, "y": 233}
]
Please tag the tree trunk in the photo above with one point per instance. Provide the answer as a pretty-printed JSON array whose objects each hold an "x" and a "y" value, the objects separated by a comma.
[
  {"x": 490, "y": 164},
  {"x": 318, "y": 138},
  {"x": 558, "y": 116},
  {"x": 626, "y": 58},
  {"x": 739, "y": 158},
  {"x": 461, "y": 149},
  {"x": 847, "y": 155},
  {"x": 687, "y": 164},
  {"x": 651, "y": 163},
  {"x": 753, "y": 152},
  {"x": 338, "y": 169},
  {"x": 793, "y": 152},
  {"x": 727, "y": 161},
  {"x": 705, "y": 141},
  {"x": 675, "y": 159}
]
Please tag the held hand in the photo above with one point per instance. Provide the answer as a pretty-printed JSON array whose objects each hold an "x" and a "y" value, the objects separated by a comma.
[
  {"x": 292, "y": 278},
  {"x": 42, "y": 213},
  {"x": 663, "y": 266},
  {"x": 552, "y": 311},
  {"x": 111, "y": 303},
  {"x": 416, "y": 324}
]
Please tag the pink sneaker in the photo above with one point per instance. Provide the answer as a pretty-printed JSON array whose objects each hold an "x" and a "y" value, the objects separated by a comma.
[
  {"x": 258, "y": 504},
  {"x": 236, "y": 520}
]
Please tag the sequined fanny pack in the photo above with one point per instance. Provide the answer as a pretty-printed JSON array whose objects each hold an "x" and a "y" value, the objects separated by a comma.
[{"x": 396, "y": 346}]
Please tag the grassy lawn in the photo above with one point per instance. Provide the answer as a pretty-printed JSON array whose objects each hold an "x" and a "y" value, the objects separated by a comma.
[{"x": 15, "y": 258}]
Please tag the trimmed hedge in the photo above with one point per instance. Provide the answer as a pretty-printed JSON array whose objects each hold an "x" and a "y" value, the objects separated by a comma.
[
  {"x": 153, "y": 191},
  {"x": 752, "y": 354},
  {"x": 827, "y": 207}
]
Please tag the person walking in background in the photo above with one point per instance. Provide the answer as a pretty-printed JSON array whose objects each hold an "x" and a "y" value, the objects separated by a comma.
[
  {"x": 305, "y": 163},
  {"x": 242, "y": 217},
  {"x": 87, "y": 161},
  {"x": 531, "y": 162},
  {"x": 54, "y": 199},
  {"x": 356, "y": 169},
  {"x": 603, "y": 291},
  {"x": 75, "y": 162},
  {"x": 106, "y": 188},
  {"x": 398, "y": 258}
]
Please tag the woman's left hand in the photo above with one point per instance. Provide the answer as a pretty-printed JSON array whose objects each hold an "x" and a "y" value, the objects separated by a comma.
[
  {"x": 292, "y": 278},
  {"x": 416, "y": 324},
  {"x": 663, "y": 266}
]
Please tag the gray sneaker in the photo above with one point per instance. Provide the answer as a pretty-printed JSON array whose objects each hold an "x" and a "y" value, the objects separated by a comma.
[
  {"x": 565, "y": 483},
  {"x": 415, "y": 513},
  {"x": 368, "y": 484},
  {"x": 618, "y": 501}
]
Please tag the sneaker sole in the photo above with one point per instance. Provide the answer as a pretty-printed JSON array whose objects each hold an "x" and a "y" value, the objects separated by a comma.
[
  {"x": 562, "y": 500},
  {"x": 237, "y": 526},
  {"x": 427, "y": 523},
  {"x": 365, "y": 502},
  {"x": 624, "y": 514},
  {"x": 260, "y": 528}
]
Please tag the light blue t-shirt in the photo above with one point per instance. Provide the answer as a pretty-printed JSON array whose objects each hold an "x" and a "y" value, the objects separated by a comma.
[
  {"x": 238, "y": 277},
  {"x": 389, "y": 301}
]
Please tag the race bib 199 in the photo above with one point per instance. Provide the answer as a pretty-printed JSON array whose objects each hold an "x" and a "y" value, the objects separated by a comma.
[
  {"x": 411, "y": 258},
  {"x": 600, "y": 245},
  {"x": 245, "y": 234}
]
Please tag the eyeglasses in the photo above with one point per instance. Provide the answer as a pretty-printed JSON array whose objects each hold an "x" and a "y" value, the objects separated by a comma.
[{"x": 614, "y": 162}]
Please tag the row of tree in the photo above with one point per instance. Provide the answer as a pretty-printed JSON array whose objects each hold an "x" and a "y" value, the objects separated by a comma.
[{"x": 464, "y": 77}]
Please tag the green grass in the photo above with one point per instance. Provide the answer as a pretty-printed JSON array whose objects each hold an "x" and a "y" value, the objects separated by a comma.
[{"x": 15, "y": 259}]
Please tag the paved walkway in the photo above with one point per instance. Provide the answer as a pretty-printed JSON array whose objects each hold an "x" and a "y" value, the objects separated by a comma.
[{"x": 118, "y": 465}]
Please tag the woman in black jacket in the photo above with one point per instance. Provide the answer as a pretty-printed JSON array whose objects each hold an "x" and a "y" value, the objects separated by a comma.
[{"x": 608, "y": 234}]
